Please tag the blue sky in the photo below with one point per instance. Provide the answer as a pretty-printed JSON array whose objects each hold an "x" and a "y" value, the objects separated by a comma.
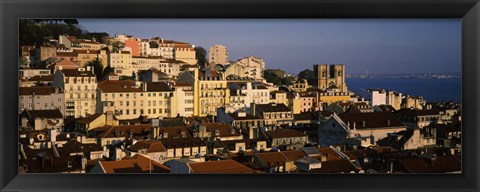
[{"x": 376, "y": 45}]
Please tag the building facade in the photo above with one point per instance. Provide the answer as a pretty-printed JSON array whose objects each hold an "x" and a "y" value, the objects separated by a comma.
[
  {"x": 330, "y": 76},
  {"x": 41, "y": 98},
  {"x": 79, "y": 86},
  {"x": 218, "y": 54}
]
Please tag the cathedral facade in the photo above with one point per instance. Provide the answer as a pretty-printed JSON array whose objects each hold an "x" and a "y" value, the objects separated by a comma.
[{"x": 330, "y": 77}]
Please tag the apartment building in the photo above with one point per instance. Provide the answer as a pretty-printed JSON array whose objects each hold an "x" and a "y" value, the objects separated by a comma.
[
  {"x": 129, "y": 99},
  {"x": 41, "y": 98},
  {"x": 79, "y": 86}
]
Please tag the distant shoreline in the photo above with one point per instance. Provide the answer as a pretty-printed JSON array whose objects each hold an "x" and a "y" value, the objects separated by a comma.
[{"x": 405, "y": 76}]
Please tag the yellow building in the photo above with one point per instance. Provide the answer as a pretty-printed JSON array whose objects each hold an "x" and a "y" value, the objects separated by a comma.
[
  {"x": 302, "y": 102},
  {"x": 210, "y": 90},
  {"x": 84, "y": 56},
  {"x": 218, "y": 54},
  {"x": 279, "y": 97},
  {"x": 327, "y": 98},
  {"x": 300, "y": 85},
  {"x": 185, "y": 53},
  {"x": 122, "y": 63}
]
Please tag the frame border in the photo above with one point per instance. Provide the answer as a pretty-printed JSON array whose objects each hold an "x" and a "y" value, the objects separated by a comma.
[{"x": 467, "y": 10}]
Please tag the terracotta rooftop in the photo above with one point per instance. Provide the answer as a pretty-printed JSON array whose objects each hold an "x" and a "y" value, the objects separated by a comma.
[
  {"x": 372, "y": 120},
  {"x": 152, "y": 146},
  {"x": 440, "y": 164},
  {"x": 158, "y": 87},
  {"x": 114, "y": 86},
  {"x": 273, "y": 107},
  {"x": 67, "y": 54},
  {"x": 90, "y": 118},
  {"x": 41, "y": 78},
  {"x": 294, "y": 154},
  {"x": 246, "y": 117},
  {"x": 222, "y": 166},
  {"x": 39, "y": 90},
  {"x": 45, "y": 113},
  {"x": 336, "y": 166},
  {"x": 417, "y": 112},
  {"x": 81, "y": 51},
  {"x": 121, "y": 130},
  {"x": 225, "y": 130},
  {"x": 284, "y": 133},
  {"x": 77, "y": 73},
  {"x": 175, "y": 131},
  {"x": 170, "y": 143},
  {"x": 136, "y": 164}
]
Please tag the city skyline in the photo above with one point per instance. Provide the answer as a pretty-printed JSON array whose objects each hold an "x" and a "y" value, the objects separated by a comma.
[
  {"x": 426, "y": 45},
  {"x": 90, "y": 103}
]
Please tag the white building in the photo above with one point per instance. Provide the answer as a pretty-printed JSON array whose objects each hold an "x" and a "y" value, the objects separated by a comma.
[
  {"x": 386, "y": 97},
  {"x": 129, "y": 99},
  {"x": 79, "y": 86},
  {"x": 364, "y": 128},
  {"x": 251, "y": 66},
  {"x": 169, "y": 67},
  {"x": 41, "y": 98},
  {"x": 27, "y": 73},
  {"x": 184, "y": 99},
  {"x": 255, "y": 92}
]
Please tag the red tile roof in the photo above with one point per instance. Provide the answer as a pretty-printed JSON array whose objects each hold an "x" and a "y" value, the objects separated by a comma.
[
  {"x": 372, "y": 120},
  {"x": 136, "y": 164},
  {"x": 285, "y": 133},
  {"x": 77, "y": 73},
  {"x": 114, "y": 86},
  {"x": 222, "y": 166},
  {"x": 152, "y": 146},
  {"x": 121, "y": 130},
  {"x": 39, "y": 90}
]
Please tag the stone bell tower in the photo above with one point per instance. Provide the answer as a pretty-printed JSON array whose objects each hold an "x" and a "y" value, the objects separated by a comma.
[{"x": 330, "y": 76}]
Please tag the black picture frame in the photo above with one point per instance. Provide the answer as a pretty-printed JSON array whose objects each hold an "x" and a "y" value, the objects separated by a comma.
[{"x": 467, "y": 10}]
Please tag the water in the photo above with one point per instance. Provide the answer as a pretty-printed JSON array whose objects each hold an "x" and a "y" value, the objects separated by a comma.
[{"x": 430, "y": 89}]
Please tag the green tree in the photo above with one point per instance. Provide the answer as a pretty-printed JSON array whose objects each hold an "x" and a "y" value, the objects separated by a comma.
[
  {"x": 97, "y": 68},
  {"x": 106, "y": 71},
  {"x": 201, "y": 55},
  {"x": 134, "y": 76},
  {"x": 308, "y": 75},
  {"x": 272, "y": 78},
  {"x": 287, "y": 80},
  {"x": 70, "y": 21}
]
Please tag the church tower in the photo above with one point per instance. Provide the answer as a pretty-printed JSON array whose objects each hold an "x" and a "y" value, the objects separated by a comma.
[{"x": 330, "y": 77}]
